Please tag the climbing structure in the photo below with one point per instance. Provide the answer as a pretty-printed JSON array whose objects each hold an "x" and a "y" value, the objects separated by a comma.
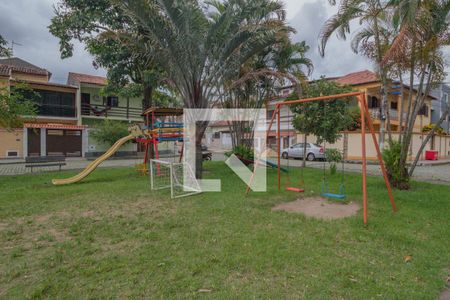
[{"x": 161, "y": 125}]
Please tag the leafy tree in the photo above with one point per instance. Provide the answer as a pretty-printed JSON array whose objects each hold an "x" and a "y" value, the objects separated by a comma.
[
  {"x": 198, "y": 43},
  {"x": 109, "y": 131},
  {"x": 324, "y": 119},
  {"x": 110, "y": 37},
  {"x": 423, "y": 30},
  {"x": 256, "y": 82},
  {"x": 15, "y": 105},
  {"x": 4, "y": 50}
]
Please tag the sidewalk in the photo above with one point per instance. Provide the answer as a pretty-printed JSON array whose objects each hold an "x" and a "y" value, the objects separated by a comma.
[
  {"x": 18, "y": 167},
  {"x": 430, "y": 171}
]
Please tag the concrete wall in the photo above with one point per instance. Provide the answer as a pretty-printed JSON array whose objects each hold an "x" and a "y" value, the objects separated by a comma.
[
  {"x": 353, "y": 140},
  {"x": 11, "y": 141}
]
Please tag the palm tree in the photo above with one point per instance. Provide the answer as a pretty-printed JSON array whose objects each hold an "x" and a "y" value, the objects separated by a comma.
[
  {"x": 256, "y": 81},
  {"x": 423, "y": 27},
  {"x": 369, "y": 14},
  {"x": 198, "y": 47}
]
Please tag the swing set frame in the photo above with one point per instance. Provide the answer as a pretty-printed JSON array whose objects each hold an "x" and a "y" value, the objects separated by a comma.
[{"x": 365, "y": 116}]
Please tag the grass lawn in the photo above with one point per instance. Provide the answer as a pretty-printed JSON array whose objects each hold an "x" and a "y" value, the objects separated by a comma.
[{"x": 111, "y": 237}]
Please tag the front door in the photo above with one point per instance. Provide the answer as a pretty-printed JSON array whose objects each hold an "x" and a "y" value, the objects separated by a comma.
[
  {"x": 34, "y": 142},
  {"x": 85, "y": 103}
]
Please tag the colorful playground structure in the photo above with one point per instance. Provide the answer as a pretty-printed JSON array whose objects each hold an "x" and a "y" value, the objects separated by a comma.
[{"x": 160, "y": 126}]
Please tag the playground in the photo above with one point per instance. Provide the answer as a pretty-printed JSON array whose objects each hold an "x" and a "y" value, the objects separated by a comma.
[{"x": 110, "y": 236}]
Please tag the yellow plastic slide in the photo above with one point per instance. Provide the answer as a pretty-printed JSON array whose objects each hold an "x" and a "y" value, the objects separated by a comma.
[{"x": 91, "y": 167}]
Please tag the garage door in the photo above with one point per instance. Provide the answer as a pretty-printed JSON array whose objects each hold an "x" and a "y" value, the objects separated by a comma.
[{"x": 64, "y": 142}]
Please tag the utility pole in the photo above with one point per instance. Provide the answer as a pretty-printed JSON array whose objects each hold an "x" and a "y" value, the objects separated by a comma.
[{"x": 12, "y": 46}]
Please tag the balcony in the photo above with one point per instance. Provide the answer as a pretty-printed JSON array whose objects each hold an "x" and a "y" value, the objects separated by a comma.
[
  {"x": 393, "y": 113},
  {"x": 122, "y": 112}
]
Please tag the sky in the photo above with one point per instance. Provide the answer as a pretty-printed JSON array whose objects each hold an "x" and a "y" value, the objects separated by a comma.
[{"x": 25, "y": 22}]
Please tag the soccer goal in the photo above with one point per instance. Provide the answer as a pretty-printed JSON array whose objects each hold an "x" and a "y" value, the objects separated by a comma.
[{"x": 165, "y": 175}]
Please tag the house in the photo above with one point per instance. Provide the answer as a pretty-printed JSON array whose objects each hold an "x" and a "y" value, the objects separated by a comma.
[
  {"x": 94, "y": 107},
  {"x": 368, "y": 82},
  {"x": 55, "y": 130},
  {"x": 66, "y": 113},
  {"x": 439, "y": 105},
  {"x": 217, "y": 136}
]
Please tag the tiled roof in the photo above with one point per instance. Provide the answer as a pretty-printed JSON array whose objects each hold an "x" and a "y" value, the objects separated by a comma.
[
  {"x": 54, "y": 126},
  {"x": 19, "y": 65},
  {"x": 4, "y": 70},
  {"x": 357, "y": 78},
  {"x": 76, "y": 78},
  {"x": 46, "y": 84}
]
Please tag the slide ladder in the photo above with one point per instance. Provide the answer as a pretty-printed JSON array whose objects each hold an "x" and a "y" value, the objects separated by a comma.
[{"x": 93, "y": 165}]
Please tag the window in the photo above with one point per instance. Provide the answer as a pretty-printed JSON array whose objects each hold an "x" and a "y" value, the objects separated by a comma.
[
  {"x": 270, "y": 114},
  {"x": 217, "y": 135},
  {"x": 424, "y": 111},
  {"x": 112, "y": 101},
  {"x": 52, "y": 103},
  {"x": 373, "y": 102},
  {"x": 394, "y": 105}
]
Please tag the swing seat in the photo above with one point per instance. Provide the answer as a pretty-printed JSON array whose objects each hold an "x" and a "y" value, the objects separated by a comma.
[
  {"x": 325, "y": 193},
  {"x": 294, "y": 189},
  {"x": 333, "y": 196}
]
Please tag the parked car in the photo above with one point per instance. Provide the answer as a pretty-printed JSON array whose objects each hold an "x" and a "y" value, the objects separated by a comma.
[
  {"x": 204, "y": 147},
  {"x": 313, "y": 151}
]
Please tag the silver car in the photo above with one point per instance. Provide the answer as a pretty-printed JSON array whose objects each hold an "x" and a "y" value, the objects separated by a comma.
[{"x": 313, "y": 151}]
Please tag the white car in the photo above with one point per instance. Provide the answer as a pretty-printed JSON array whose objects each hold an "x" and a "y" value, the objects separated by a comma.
[{"x": 313, "y": 151}]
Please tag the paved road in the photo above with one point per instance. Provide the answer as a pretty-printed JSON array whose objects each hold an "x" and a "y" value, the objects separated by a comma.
[{"x": 435, "y": 173}]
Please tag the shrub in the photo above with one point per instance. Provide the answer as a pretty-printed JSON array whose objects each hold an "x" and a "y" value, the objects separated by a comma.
[
  {"x": 391, "y": 157},
  {"x": 427, "y": 128},
  {"x": 109, "y": 131},
  {"x": 242, "y": 151}
]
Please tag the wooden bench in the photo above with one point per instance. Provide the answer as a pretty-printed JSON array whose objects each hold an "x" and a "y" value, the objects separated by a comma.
[{"x": 44, "y": 161}]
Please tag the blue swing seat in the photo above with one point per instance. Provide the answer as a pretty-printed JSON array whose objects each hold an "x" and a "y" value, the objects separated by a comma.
[
  {"x": 333, "y": 196},
  {"x": 325, "y": 193}
]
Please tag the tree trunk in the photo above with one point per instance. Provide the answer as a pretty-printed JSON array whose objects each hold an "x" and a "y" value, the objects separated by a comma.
[
  {"x": 425, "y": 141},
  {"x": 383, "y": 90},
  {"x": 146, "y": 103},
  {"x": 199, "y": 132}
]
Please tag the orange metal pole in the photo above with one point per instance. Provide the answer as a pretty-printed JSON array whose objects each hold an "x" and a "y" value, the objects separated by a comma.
[
  {"x": 272, "y": 119},
  {"x": 363, "y": 150},
  {"x": 321, "y": 98},
  {"x": 380, "y": 159},
  {"x": 278, "y": 147}
]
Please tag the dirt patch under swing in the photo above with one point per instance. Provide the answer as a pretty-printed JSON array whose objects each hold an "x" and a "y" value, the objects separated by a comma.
[{"x": 319, "y": 208}]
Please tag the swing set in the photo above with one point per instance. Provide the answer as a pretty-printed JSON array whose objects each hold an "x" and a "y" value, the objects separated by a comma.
[{"x": 365, "y": 116}]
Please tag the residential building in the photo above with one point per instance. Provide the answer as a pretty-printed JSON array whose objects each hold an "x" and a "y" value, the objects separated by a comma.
[
  {"x": 440, "y": 105},
  {"x": 369, "y": 83},
  {"x": 55, "y": 129},
  {"x": 66, "y": 113},
  {"x": 94, "y": 107}
]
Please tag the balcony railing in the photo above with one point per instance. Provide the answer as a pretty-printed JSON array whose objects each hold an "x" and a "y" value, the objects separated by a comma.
[
  {"x": 108, "y": 111},
  {"x": 393, "y": 113},
  {"x": 51, "y": 110}
]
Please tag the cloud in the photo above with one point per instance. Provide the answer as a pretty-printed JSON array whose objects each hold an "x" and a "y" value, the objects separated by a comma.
[
  {"x": 339, "y": 58},
  {"x": 26, "y": 22}
]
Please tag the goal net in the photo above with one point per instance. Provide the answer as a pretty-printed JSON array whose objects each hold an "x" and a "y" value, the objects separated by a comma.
[{"x": 179, "y": 177}]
